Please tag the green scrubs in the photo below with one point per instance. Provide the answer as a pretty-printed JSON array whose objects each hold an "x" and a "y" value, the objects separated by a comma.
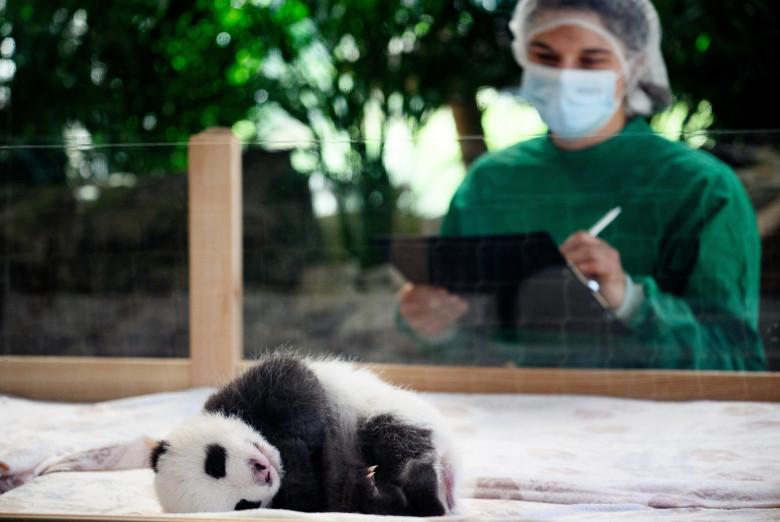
[{"x": 687, "y": 234}]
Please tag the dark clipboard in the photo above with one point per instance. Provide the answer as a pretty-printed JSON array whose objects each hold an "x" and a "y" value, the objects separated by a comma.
[{"x": 529, "y": 282}]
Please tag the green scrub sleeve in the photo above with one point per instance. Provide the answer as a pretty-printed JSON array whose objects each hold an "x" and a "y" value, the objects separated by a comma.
[
  {"x": 671, "y": 335},
  {"x": 713, "y": 323}
]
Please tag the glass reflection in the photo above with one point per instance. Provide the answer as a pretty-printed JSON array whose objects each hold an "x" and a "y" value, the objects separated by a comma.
[{"x": 94, "y": 258}]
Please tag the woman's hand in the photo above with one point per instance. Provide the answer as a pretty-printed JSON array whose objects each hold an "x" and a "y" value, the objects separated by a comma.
[
  {"x": 597, "y": 261},
  {"x": 430, "y": 310}
]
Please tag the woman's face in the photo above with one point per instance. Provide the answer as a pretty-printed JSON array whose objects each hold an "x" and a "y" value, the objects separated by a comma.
[
  {"x": 573, "y": 47},
  {"x": 577, "y": 47}
]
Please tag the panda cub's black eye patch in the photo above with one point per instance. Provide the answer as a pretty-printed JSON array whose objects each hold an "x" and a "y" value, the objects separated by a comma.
[{"x": 216, "y": 458}]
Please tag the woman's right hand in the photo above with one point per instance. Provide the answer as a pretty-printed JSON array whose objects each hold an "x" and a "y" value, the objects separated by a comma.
[{"x": 430, "y": 310}]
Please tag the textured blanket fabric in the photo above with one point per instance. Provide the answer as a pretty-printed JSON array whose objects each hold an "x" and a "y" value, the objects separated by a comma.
[
  {"x": 37, "y": 438},
  {"x": 532, "y": 456}
]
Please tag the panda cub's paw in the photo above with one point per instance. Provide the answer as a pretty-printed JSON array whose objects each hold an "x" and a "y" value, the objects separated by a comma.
[
  {"x": 363, "y": 494},
  {"x": 406, "y": 476},
  {"x": 215, "y": 463}
]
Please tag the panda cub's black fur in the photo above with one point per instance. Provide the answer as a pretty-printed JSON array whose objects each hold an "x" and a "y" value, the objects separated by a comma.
[{"x": 309, "y": 435}]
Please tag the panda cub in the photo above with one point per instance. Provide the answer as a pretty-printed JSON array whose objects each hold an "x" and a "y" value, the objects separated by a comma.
[{"x": 310, "y": 435}]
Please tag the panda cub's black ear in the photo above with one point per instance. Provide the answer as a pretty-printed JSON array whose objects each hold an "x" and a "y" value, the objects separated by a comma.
[{"x": 159, "y": 448}]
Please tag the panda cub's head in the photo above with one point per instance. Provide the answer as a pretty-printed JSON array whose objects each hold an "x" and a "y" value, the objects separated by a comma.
[{"x": 215, "y": 463}]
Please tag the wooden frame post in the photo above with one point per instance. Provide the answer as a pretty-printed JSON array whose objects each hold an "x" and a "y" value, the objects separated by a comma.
[{"x": 215, "y": 257}]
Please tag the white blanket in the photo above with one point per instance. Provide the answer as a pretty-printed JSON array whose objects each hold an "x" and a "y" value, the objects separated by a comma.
[{"x": 532, "y": 456}]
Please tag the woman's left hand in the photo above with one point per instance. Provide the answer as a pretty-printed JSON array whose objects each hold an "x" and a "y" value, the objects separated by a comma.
[{"x": 598, "y": 261}]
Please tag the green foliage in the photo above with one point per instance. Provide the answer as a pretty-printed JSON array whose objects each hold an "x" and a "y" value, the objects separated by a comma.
[
  {"x": 137, "y": 71},
  {"x": 385, "y": 60},
  {"x": 157, "y": 71},
  {"x": 725, "y": 52}
]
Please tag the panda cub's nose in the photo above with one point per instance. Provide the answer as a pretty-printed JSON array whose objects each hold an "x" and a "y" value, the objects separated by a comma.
[{"x": 261, "y": 468}]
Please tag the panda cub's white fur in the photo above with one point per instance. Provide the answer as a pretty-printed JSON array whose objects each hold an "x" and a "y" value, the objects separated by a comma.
[
  {"x": 309, "y": 435},
  {"x": 253, "y": 469}
]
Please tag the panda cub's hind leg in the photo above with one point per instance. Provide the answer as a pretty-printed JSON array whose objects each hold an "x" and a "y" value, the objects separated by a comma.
[{"x": 401, "y": 476}]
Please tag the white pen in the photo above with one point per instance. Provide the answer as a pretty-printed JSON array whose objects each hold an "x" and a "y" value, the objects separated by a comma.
[{"x": 602, "y": 223}]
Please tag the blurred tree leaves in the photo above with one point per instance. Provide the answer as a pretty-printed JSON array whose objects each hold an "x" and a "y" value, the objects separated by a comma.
[
  {"x": 382, "y": 60},
  {"x": 157, "y": 71},
  {"x": 154, "y": 72},
  {"x": 725, "y": 52},
  {"x": 137, "y": 71}
]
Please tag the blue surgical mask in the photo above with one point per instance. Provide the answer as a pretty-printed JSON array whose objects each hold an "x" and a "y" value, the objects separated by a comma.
[{"x": 572, "y": 102}]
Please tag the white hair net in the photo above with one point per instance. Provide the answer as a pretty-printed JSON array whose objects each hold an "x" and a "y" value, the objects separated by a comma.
[{"x": 631, "y": 26}]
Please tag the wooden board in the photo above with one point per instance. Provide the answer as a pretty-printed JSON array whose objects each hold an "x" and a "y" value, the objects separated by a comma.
[
  {"x": 96, "y": 379},
  {"x": 90, "y": 379},
  {"x": 637, "y": 384}
]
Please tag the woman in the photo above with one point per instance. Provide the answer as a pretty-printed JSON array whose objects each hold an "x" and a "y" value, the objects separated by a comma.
[{"x": 679, "y": 267}]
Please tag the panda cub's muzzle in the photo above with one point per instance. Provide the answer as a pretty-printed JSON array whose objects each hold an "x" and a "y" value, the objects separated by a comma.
[{"x": 263, "y": 467}]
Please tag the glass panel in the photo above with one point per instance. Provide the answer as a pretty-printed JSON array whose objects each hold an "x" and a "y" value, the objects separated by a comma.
[
  {"x": 355, "y": 136},
  {"x": 310, "y": 278},
  {"x": 94, "y": 251},
  {"x": 313, "y": 279}
]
